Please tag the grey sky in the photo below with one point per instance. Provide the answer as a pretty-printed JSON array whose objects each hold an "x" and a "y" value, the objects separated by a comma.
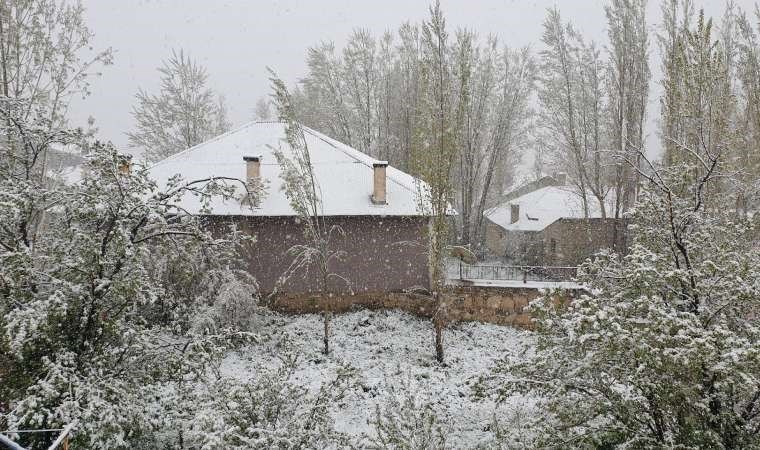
[{"x": 236, "y": 40}]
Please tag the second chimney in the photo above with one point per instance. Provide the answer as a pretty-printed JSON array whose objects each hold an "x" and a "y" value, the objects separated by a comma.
[
  {"x": 252, "y": 167},
  {"x": 378, "y": 184},
  {"x": 514, "y": 212}
]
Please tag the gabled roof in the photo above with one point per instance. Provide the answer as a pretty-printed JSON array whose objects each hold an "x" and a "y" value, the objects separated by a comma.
[
  {"x": 344, "y": 175},
  {"x": 541, "y": 208}
]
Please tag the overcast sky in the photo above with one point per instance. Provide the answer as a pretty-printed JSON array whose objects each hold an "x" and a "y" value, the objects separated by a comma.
[{"x": 236, "y": 40}]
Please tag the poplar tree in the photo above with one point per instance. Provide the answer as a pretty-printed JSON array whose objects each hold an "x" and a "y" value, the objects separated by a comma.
[
  {"x": 627, "y": 87},
  {"x": 434, "y": 153},
  {"x": 305, "y": 197}
]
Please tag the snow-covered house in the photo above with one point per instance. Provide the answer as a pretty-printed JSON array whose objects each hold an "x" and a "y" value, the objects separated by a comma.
[
  {"x": 544, "y": 224},
  {"x": 374, "y": 204}
]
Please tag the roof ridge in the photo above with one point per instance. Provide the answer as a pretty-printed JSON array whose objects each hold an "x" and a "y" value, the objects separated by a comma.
[
  {"x": 332, "y": 142},
  {"x": 213, "y": 139}
]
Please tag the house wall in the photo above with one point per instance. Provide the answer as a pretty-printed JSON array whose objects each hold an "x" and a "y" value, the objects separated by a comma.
[
  {"x": 495, "y": 238},
  {"x": 577, "y": 239},
  {"x": 382, "y": 254}
]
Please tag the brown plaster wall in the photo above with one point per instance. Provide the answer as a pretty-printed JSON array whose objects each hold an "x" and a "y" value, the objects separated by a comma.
[{"x": 382, "y": 254}]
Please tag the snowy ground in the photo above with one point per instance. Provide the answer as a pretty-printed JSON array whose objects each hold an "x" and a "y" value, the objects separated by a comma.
[{"x": 394, "y": 348}]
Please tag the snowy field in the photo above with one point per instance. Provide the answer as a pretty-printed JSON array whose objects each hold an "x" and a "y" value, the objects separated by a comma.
[{"x": 392, "y": 350}]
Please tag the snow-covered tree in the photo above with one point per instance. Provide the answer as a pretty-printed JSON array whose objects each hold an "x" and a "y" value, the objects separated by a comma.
[
  {"x": 361, "y": 83},
  {"x": 409, "y": 420},
  {"x": 663, "y": 348},
  {"x": 305, "y": 196},
  {"x": 93, "y": 328},
  {"x": 370, "y": 94},
  {"x": 262, "y": 110},
  {"x": 186, "y": 112},
  {"x": 269, "y": 411},
  {"x": 325, "y": 106},
  {"x": 677, "y": 17},
  {"x": 46, "y": 55}
]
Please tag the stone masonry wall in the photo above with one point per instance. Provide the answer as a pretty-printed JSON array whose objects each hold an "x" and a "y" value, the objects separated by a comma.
[{"x": 501, "y": 306}]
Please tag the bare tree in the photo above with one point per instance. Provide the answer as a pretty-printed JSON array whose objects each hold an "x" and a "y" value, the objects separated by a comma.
[
  {"x": 510, "y": 121},
  {"x": 185, "y": 112},
  {"x": 572, "y": 102}
]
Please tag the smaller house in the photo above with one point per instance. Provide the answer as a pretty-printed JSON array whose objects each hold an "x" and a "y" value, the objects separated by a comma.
[{"x": 544, "y": 224}]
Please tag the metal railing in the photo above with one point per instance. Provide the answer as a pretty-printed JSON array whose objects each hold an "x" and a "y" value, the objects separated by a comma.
[
  {"x": 516, "y": 273},
  {"x": 61, "y": 441}
]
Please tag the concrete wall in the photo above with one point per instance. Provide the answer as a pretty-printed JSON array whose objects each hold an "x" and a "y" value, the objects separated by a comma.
[
  {"x": 501, "y": 306},
  {"x": 382, "y": 254}
]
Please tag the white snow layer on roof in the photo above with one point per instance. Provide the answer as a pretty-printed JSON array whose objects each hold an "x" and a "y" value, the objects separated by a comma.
[
  {"x": 344, "y": 175},
  {"x": 541, "y": 208}
]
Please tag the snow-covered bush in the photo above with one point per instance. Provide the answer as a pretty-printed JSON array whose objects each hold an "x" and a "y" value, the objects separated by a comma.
[
  {"x": 664, "y": 349},
  {"x": 408, "y": 420},
  {"x": 90, "y": 329},
  {"x": 269, "y": 411}
]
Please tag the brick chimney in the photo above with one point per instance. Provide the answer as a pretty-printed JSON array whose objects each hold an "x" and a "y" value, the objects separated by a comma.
[
  {"x": 252, "y": 167},
  {"x": 514, "y": 212},
  {"x": 378, "y": 185}
]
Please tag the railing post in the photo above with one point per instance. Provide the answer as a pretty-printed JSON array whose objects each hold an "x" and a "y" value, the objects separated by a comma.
[{"x": 63, "y": 438}]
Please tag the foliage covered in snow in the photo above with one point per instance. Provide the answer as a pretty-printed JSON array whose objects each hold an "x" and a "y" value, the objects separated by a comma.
[
  {"x": 101, "y": 283},
  {"x": 665, "y": 349},
  {"x": 398, "y": 394}
]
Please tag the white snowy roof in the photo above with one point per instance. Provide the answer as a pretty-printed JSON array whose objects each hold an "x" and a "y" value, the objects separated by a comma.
[
  {"x": 541, "y": 208},
  {"x": 344, "y": 175}
]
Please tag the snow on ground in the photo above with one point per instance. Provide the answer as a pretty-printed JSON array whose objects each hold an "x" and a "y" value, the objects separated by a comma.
[
  {"x": 526, "y": 284},
  {"x": 393, "y": 348}
]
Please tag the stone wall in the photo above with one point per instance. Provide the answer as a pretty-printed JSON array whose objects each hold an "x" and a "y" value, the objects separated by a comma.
[
  {"x": 495, "y": 238},
  {"x": 501, "y": 306},
  {"x": 568, "y": 242}
]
